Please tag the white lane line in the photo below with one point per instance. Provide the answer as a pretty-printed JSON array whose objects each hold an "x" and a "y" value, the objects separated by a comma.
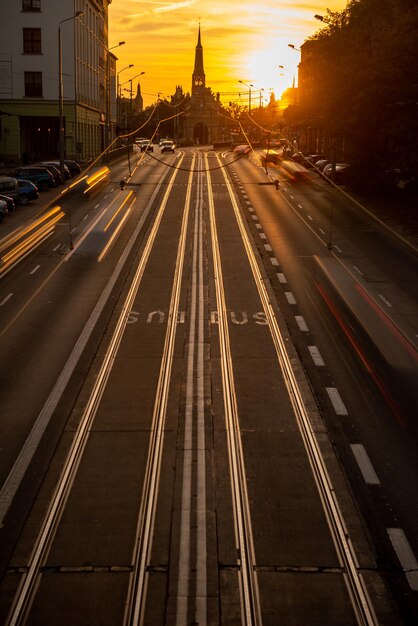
[
  {"x": 97, "y": 206},
  {"x": 336, "y": 401},
  {"x": 6, "y": 299},
  {"x": 300, "y": 206},
  {"x": 258, "y": 226},
  {"x": 385, "y": 300},
  {"x": 365, "y": 464},
  {"x": 35, "y": 269},
  {"x": 291, "y": 196},
  {"x": 255, "y": 218},
  {"x": 268, "y": 247},
  {"x": 281, "y": 277},
  {"x": 251, "y": 210},
  {"x": 405, "y": 555},
  {"x": 56, "y": 248},
  {"x": 290, "y": 297},
  {"x": 322, "y": 231},
  {"x": 263, "y": 236},
  {"x": 274, "y": 261},
  {"x": 310, "y": 218},
  {"x": 337, "y": 248},
  {"x": 300, "y": 321},
  {"x": 316, "y": 356},
  {"x": 358, "y": 270}
]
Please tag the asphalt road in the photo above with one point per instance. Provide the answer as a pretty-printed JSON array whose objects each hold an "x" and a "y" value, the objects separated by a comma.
[{"x": 58, "y": 329}]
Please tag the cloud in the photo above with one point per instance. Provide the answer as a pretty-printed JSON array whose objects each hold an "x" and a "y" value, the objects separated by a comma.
[{"x": 175, "y": 6}]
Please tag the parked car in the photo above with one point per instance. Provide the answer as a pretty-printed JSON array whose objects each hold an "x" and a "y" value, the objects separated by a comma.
[
  {"x": 56, "y": 165},
  {"x": 311, "y": 159},
  {"x": 341, "y": 172},
  {"x": 73, "y": 166},
  {"x": 9, "y": 187},
  {"x": 55, "y": 171},
  {"x": 3, "y": 210},
  {"x": 40, "y": 176},
  {"x": 167, "y": 146},
  {"x": 10, "y": 203},
  {"x": 321, "y": 164},
  {"x": 27, "y": 191}
]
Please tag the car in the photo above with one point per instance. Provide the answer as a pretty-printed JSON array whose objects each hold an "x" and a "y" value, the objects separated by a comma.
[
  {"x": 146, "y": 145},
  {"x": 73, "y": 166},
  {"x": 54, "y": 169},
  {"x": 3, "y": 210},
  {"x": 10, "y": 203},
  {"x": 9, "y": 187},
  {"x": 164, "y": 140},
  {"x": 341, "y": 171},
  {"x": 57, "y": 165},
  {"x": 167, "y": 146},
  {"x": 27, "y": 191},
  {"x": 40, "y": 176},
  {"x": 321, "y": 164},
  {"x": 311, "y": 159}
]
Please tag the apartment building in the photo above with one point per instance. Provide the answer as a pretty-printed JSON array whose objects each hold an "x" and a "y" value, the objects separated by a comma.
[{"x": 29, "y": 79}]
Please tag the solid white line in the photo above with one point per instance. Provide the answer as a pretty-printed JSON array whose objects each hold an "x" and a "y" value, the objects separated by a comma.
[
  {"x": 316, "y": 356},
  {"x": 365, "y": 464},
  {"x": 337, "y": 403},
  {"x": 6, "y": 299},
  {"x": 35, "y": 269},
  {"x": 385, "y": 300},
  {"x": 405, "y": 555},
  {"x": 300, "y": 321}
]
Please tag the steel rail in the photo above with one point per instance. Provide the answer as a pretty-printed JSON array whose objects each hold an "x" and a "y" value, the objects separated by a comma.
[
  {"x": 360, "y": 599},
  {"x": 29, "y": 582},
  {"x": 135, "y": 605},
  {"x": 250, "y": 609}
]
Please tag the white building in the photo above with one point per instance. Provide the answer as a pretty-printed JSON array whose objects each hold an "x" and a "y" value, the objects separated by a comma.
[{"x": 29, "y": 73}]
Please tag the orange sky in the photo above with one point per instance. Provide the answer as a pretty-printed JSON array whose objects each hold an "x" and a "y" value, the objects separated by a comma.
[{"x": 241, "y": 41}]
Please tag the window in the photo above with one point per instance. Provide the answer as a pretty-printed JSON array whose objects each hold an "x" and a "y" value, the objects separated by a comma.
[
  {"x": 33, "y": 84},
  {"x": 32, "y": 41},
  {"x": 31, "y": 5}
]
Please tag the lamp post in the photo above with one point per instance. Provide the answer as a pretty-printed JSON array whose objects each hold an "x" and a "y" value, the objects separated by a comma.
[
  {"x": 61, "y": 94},
  {"x": 108, "y": 122},
  {"x": 118, "y": 91},
  {"x": 291, "y": 45},
  {"x": 322, "y": 18},
  {"x": 249, "y": 94}
]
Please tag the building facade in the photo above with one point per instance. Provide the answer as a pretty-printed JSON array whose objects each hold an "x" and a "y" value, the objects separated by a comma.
[{"x": 29, "y": 79}]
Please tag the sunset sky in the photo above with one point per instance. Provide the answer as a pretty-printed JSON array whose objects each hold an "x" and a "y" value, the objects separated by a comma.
[{"x": 241, "y": 41}]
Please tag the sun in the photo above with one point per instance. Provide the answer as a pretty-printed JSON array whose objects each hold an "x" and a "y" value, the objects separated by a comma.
[{"x": 271, "y": 69}]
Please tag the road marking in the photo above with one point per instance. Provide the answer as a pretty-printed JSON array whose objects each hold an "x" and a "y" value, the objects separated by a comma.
[
  {"x": 290, "y": 297},
  {"x": 385, "y": 300},
  {"x": 300, "y": 321},
  {"x": 56, "y": 248},
  {"x": 336, "y": 401},
  {"x": 97, "y": 206},
  {"x": 316, "y": 356},
  {"x": 281, "y": 277},
  {"x": 310, "y": 218},
  {"x": 258, "y": 226},
  {"x": 300, "y": 206},
  {"x": 268, "y": 247},
  {"x": 254, "y": 217},
  {"x": 337, "y": 249},
  {"x": 6, "y": 299},
  {"x": 250, "y": 208},
  {"x": 274, "y": 261},
  {"x": 365, "y": 464},
  {"x": 358, "y": 270},
  {"x": 322, "y": 231},
  {"x": 263, "y": 236},
  {"x": 35, "y": 269},
  {"x": 405, "y": 555}
]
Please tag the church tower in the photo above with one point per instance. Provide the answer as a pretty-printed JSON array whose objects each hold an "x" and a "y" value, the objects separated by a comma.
[{"x": 198, "y": 77}]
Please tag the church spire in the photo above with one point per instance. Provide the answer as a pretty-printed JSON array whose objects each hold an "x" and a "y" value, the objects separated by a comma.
[{"x": 198, "y": 78}]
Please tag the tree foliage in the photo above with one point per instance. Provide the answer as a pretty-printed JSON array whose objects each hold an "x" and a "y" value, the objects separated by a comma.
[{"x": 363, "y": 85}]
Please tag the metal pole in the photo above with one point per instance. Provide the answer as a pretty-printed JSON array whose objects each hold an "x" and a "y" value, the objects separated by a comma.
[{"x": 61, "y": 105}]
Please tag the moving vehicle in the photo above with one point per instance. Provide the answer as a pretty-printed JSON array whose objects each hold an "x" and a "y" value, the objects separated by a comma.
[
  {"x": 146, "y": 145},
  {"x": 167, "y": 146},
  {"x": 27, "y": 191}
]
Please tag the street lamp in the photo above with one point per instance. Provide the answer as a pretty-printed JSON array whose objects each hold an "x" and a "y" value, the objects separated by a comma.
[
  {"x": 61, "y": 93},
  {"x": 291, "y": 45},
  {"x": 119, "y": 92},
  {"x": 249, "y": 94},
  {"x": 108, "y": 122},
  {"x": 322, "y": 18}
]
